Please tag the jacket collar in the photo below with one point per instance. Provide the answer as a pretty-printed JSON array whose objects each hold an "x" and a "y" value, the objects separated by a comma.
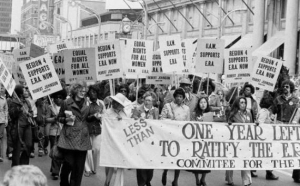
[{"x": 72, "y": 103}]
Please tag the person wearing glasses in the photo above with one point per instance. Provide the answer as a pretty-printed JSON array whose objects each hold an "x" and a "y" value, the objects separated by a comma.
[
  {"x": 239, "y": 114},
  {"x": 74, "y": 140},
  {"x": 285, "y": 106}
]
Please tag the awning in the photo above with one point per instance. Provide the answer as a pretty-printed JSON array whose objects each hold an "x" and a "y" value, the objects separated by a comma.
[
  {"x": 229, "y": 39},
  {"x": 244, "y": 42},
  {"x": 270, "y": 45}
]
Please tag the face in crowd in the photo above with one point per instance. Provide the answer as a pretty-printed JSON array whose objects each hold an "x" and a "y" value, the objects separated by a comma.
[
  {"x": 81, "y": 93},
  {"x": 203, "y": 104},
  {"x": 186, "y": 87},
  {"x": 117, "y": 106},
  {"x": 58, "y": 100},
  {"x": 179, "y": 99},
  {"x": 286, "y": 89},
  {"x": 247, "y": 92},
  {"x": 123, "y": 91},
  {"x": 220, "y": 94},
  {"x": 148, "y": 102},
  {"x": 93, "y": 94},
  {"x": 242, "y": 104},
  {"x": 25, "y": 92}
]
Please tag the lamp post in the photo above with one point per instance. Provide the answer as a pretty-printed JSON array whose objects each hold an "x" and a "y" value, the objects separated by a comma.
[
  {"x": 64, "y": 20},
  {"x": 224, "y": 18},
  {"x": 89, "y": 10},
  {"x": 145, "y": 9}
]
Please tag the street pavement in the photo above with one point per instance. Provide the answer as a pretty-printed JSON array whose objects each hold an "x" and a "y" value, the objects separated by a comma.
[{"x": 215, "y": 178}]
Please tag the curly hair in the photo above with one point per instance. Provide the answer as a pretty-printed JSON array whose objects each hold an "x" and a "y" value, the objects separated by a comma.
[
  {"x": 248, "y": 85},
  {"x": 123, "y": 86},
  {"x": 236, "y": 107},
  {"x": 75, "y": 88},
  {"x": 290, "y": 83},
  {"x": 198, "y": 110},
  {"x": 93, "y": 87},
  {"x": 179, "y": 91},
  {"x": 210, "y": 84}
]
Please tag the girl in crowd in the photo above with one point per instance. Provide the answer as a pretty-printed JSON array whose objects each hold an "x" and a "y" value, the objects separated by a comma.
[
  {"x": 200, "y": 110},
  {"x": 147, "y": 111},
  {"x": 74, "y": 140},
  {"x": 239, "y": 114},
  {"x": 96, "y": 109},
  {"x": 176, "y": 110}
]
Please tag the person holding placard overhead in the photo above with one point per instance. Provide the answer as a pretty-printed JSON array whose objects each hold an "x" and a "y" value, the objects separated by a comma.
[
  {"x": 239, "y": 114},
  {"x": 202, "y": 113},
  {"x": 176, "y": 110},
  {"x": 74, "y": 140}
]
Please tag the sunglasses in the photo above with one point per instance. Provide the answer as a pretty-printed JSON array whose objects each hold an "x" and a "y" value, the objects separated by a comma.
[{"x": 286, "y": 86}]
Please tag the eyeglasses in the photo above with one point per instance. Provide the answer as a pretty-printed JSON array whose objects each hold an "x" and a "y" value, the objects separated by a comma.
[
  {"x": 286, "y": 86},
  {"x": 123, "y": 90}
]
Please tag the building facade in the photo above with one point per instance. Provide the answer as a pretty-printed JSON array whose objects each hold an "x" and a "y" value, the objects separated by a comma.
[{"x": 5, "y": 16}]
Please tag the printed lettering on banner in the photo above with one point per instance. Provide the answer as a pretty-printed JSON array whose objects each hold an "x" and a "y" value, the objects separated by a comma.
[
  {"x": 157, "y": 76},
  {"x": 265, "y": 72},
  {"x": 108, "y": 61},
  {"x": 238, "y": 65},
  {"x": 169, "y": 144},
  {"x": 20, "y": 55},
  {"x": 57, "y": 47},
  {"x": 171, "y": 53},
  {"x": 137, "y": 58},
  {"x": 80, "y": 65},
  {"x": 6, "y": 78},
  {"x": 188, "y": 50},
  {"x": 40, "y": 76},
  {"x": 210, "y": 54},
  {"x": 8, "y": 60},
  {"x": 58, "y": 62}
]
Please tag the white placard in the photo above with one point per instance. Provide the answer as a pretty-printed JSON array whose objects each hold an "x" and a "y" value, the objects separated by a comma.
[
  {"x": 8, "y": 60},
  {"x": 171, "y": 53},
  {"x": 59, "y": 65},
  {"x": 188, "y": 50},
  {"x": 210, "y": 54},
  {"x": 137, "y": 58},
  {"x": 60, "y": 46},
  {"x": 238, "y": 65},
  {"x": 157, "y": 76},
  {"x": 20, "y": 55},
  {"x": 265, "y": 72},
  {"x": 40, "y": 76},
  {"x": 6, "y": 78},
  {"x": 108, "y": 61}
]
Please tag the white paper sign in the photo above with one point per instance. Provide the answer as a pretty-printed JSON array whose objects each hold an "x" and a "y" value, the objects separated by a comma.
[
  {"x": 20, "y": 55},
  {"x": 265, "y": 72},
  {"x": 8, "y": 60},
  {"x": 238, "y": 65},
  {"x": 40, "y": 76},
  {"x": 59, "y": 65},
  {"x": 6, "y": 78},
  {"x": 108, "y": 61},
  {"x": 171, "y": 53},
  {"x": 188, "y": 50},
  {"x": 57, "y": 47},
  {"x": 137, "y": 58},
  {"x": 210, "y": 54},
  {"x": 80, "y": 64}
]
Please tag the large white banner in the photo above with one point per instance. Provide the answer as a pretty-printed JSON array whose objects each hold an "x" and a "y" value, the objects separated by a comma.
[
  {"x": 40, "y": 76},
  {"x": 6, "y": 78},
  {"x": 169, "y": 144},
  {"x": 137, "y": 58},
  {"x": 210, "y": 54},
  {"x": 108, "y": 61},
  {"x": 265, "y": 72},
  {"x": 80, "y": 65},
  {"x": 238, "y": 65},
  {"x": 171, "y": 53}
]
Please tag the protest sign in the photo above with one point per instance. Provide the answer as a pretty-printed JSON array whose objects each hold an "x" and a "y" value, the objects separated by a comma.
[
  {"x": 210, "y": 54},
  {"x": 20, "y": 55},
  {"x": 40, "y": 76},
  {"x": 6, "y": 78},
  {"x": 188, "y": 50},
  {"x": 36, "y": 51},
  {"x": 169, "y": 144},
  {"x": 157, "y": 76},
  {"x": 80, "y": 65},
  {"x": 265, "y": 72},
  {"x": 58, "y": 62},
  {"x": 8, "y": 60},
  {"x": 171, "y": 53},
  {"x": 108, "y": 61},
  {"x": 137, "y": 58},
  {"x": 238, "y": 65},
  {"x": 44, "y": 40},
  {"x": 60, "y": 46}
]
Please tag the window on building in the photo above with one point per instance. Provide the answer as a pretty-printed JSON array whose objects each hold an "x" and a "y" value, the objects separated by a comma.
[
  {"x": 83, "y": 41},
  {"x": 283, "y": 9},
  {"x": 76, "y": 44},
  {"x": 79, "y": 41},
  {"x": 106, "y": 36},
  {"x": 87, "y": 41},
  {"x": 96, "y": 39}
]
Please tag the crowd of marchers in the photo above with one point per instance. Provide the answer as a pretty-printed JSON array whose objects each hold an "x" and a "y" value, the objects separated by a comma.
[{"x": 71, "y": 119}]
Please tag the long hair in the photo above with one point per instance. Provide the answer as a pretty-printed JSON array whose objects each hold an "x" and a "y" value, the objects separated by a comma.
[
  {"x": 198, "y": 110},
  {"x": 236, "y": 107}
]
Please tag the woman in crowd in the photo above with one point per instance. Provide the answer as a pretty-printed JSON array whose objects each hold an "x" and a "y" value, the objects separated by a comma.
[
  {"x": 74, "y": 140},
  {"x": 147, "y": 111},
  {"x": 55, "y": 128},
  {"x": 176, "y": 110},
  {"x": 116, "y": 111},
  {"x": 239, "y": 114},
  {"x": 202, "y": 109},
  {"x": 96, "y": 109},
  {"x": 20, "y": 112},
  {"x": 220, "y": 115}
]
